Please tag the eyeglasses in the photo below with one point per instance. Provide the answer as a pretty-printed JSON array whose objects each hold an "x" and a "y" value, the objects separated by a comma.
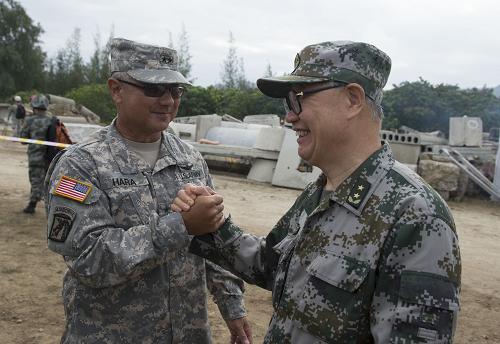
[
  {"x": 292, "y": 99},
  {"x": 158, "y": 90}
]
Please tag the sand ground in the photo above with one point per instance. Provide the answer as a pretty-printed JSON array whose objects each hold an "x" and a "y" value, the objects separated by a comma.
[{"x": 31, "y": 276}]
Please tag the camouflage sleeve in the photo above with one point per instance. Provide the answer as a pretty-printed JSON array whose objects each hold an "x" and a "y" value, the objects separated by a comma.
[
  {"x": 248, "y": 256},
  {"x": 98, "y": 252},
  {"x": 417, "y": 294},
  {"x": 226, "y": 289}
]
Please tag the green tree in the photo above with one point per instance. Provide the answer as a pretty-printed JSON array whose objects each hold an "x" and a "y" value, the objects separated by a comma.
[
  {"x": 269, "y": 71},
  {"x": 170, "y": 40},
  {"x": 233, "y": 71},
  {"x": 21, "y": 57},
  {"x": 198, "y": 101},
  {"x": 95, "y": 97},
  {"x": 427, "y": 107},
  {"x": 97, "y": 70},
  {"x": 67, "y": 70},
  {"x": 184, "y": 54}
]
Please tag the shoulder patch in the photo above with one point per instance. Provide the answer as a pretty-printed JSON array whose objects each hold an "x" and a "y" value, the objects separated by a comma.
[
  {"x": 61, "y": 224},
  {"x": 72, "y": 189}
]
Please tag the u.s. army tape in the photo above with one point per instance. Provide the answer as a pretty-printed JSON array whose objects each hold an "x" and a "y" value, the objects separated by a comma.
[{"x": 38, "y": 142}]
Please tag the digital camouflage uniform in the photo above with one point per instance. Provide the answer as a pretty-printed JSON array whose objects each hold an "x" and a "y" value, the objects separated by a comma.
[
  {"x": 35, "y": 127},
  {"x": 375, "y": 261},
  {"x": 131, "y": 278}
]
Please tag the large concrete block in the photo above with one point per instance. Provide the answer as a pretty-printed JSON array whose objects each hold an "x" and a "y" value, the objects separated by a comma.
[
  {"x": 466, "y": 131},
  {"x": 270, "y": 139},
  {"x": 442, "y": 176},
  {"x": 287, "y": 172},
  {"x": 405, "y": 153},
  {"x": 204, "y": 123},
  {"x": 270, "y": 119},
  {"x": 262, "y": 170}
]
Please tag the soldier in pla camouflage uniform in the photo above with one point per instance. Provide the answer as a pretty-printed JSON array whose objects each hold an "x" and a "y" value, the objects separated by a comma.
[
  {"x": 369, "y": 252},
  {"x": 35, "y": 127},
  {"x": 130, "y": 277}
]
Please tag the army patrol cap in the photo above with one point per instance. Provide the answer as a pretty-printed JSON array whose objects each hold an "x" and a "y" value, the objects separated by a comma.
[
  {"x": 343, "y": 61},
  {"x": 145, "y": 63}
]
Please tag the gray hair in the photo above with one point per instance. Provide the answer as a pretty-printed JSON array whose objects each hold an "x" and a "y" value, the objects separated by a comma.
[{"x": 376, "y": 110}]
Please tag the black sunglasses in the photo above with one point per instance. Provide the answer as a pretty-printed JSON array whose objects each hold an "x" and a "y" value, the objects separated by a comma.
[
  {"x": 292, "y": 99},
  {"x": 158, "y": 90}
]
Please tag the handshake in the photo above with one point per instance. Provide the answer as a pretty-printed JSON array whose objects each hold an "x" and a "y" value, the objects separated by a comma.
[{"x": 201, "y": 209}]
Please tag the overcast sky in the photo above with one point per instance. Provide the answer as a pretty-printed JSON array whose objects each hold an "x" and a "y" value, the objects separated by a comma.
[{"x": 443, "y": 41}]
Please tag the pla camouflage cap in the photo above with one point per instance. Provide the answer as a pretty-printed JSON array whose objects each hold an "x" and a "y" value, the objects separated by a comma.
[
  {"x": 344, "y": 61},
  {"x": 145, "y": 63}
]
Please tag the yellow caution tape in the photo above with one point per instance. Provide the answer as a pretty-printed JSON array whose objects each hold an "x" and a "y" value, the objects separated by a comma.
[{"x": 38, "y": 142}]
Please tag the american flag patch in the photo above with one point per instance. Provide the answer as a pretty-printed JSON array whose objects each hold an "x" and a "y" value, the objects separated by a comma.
[{"x": 72, "y": 189}]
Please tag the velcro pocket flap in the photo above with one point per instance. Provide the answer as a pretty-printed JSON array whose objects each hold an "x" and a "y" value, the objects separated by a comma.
[
  {"x": 341, "y": 271},
  {"x": 429, "y": 289}
]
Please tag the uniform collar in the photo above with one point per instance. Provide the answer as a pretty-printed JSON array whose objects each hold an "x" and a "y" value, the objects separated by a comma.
[
  {"x": 129, "y": 163},
  {"x": 356, "y": 189}
]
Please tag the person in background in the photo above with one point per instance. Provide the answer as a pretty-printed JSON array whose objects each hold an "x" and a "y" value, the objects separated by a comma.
[
  {"x": 18, "y": 113},
  {"x": 35, "y": 127}
]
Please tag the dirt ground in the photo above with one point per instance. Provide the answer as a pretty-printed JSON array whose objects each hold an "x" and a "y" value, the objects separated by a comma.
[{"x": 31, "y": 276}]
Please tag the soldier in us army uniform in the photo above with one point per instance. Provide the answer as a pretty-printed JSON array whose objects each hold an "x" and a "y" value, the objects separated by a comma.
[
  {"x": 369, "y": 252},
  {"x": 35, "y": 127},
  {"x": 130, "y": 276}
]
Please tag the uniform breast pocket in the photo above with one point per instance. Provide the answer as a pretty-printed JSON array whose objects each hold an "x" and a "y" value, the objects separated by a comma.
[
  {"x": 131, "y": 206},
  {"x": 331, "y": 305}
]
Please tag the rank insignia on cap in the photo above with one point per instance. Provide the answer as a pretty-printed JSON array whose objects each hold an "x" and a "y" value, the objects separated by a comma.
[
  {"x": 358, "y": 193},
  {"x": 72, "y": 189},
  {"x": 166, "y": 58}
]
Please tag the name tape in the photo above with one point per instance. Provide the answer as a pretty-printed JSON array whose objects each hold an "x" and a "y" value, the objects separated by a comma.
[{"x": 37, "y": 142}]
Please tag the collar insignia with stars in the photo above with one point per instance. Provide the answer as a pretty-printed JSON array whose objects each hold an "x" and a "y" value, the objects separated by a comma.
[{"x": 358, "y": 193}]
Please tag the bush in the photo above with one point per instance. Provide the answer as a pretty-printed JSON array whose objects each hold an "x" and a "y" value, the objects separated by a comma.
[
  {"x": 232, "y": 101},
  {"x": 95, "y": 97}
]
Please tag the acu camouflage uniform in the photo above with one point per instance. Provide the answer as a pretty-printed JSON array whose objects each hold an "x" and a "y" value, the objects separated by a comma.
[
  {"x": 375, "y": 261},
  {"x": 131, "y": 278},
  {"x": 35, "y": 127}
]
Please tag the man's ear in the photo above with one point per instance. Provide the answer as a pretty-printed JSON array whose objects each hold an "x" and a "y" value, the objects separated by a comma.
[
  {"x": 115, "y": 87},
  {"x": 356, "y": 96}
]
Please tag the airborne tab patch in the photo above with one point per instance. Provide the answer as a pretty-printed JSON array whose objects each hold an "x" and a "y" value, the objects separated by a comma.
[
  {"x": 73, "y": 189},
  {"x": 358, "y": 193}
]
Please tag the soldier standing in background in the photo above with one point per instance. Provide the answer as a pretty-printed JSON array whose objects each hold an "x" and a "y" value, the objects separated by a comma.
[
  {"x": 35, "y": 128},
  {"x": 369, "y": 252},
  {"x": 130, "y": 276},
  {"x": 17, "y": 112}
]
